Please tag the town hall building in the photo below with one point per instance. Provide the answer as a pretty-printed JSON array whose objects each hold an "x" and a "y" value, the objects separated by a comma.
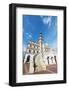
[{"x": 39, "y": 55}]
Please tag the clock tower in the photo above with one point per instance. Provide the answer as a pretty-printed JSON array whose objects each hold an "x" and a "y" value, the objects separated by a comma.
[{"x": 40, "y": 42}]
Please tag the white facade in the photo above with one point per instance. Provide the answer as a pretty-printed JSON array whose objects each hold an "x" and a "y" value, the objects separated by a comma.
[{"x": 44, "y": 55}]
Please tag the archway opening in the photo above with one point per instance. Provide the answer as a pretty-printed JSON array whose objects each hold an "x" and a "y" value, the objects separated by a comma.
[{"x": 28, "y": 58}]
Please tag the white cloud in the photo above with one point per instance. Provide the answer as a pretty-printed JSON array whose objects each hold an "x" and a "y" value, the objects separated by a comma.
[
  {"x": 54, "y": 45},
  {"x": 24, "y": 48},
  {"x": 46, "y": 20},
  {"x": 29, "y": 35}
]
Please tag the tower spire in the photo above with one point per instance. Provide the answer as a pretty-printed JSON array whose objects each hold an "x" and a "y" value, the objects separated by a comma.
[{"x": 40, "y": 42}]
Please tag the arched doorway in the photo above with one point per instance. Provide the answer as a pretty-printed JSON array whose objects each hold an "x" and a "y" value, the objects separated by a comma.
[
  {"x": 26, "y": 65},
  {"x": 28, "y": 58}
]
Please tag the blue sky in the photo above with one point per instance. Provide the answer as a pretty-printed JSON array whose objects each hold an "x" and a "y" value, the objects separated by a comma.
[{"x": 33, "y": 25}]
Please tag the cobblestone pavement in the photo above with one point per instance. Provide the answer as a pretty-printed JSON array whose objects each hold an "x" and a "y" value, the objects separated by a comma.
[{"x": 50, "y": 69}]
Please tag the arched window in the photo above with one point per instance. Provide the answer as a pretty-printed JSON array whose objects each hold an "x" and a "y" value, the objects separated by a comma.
[
  {"x": 29, "y": 51},
  {"x": 55, "y": 59},
  {"x": 48, "y": 59},
  {"x": 52, "y": 59},
  {"x": 34, "y": 51}
]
